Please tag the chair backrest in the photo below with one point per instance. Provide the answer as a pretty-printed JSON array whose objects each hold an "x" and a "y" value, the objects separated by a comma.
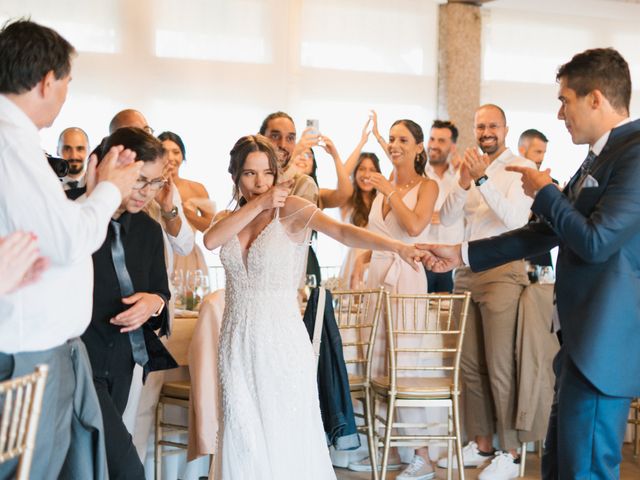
[
  {"x": 425, "y": 334},
  {"x": 21, "y": 401},
  {"x": 358, "y": 313}
]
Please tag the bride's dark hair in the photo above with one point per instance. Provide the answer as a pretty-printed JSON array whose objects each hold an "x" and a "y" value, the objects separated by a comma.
[{"x": 239, "y": 154}]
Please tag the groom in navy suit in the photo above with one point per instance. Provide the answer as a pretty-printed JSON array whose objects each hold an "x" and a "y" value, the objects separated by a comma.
[{"x": 595, "y": 221}]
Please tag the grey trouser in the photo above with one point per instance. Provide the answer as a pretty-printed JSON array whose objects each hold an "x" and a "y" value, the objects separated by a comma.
[
  {"x": 488, "y": 361},
  {"x": 54, "y": 429}
]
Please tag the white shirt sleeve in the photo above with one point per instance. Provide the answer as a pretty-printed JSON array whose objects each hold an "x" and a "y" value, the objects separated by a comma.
[
  {"x": 183, "y": 243},
  {"x": 35, "y": 201},
  {"x": 453, "y": 207},
  {"x": 464, "y": 251},
  {"x": 513, "y": 208}
]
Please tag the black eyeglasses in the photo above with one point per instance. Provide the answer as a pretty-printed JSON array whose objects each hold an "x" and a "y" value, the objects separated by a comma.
[{"x": 154, "y": 185}]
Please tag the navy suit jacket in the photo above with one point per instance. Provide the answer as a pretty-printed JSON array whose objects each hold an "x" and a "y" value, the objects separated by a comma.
[{"x": 598, "y": 268}]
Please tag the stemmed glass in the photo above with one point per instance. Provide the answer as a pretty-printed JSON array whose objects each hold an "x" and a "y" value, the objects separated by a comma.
[{"x": 177, "y": 281}]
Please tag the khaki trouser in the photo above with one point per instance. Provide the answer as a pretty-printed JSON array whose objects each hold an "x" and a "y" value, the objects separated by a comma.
[{"x": 488, "y": 356}]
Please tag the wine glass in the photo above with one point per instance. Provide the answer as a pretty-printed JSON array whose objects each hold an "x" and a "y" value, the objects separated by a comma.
[{"x": 177, "y": 281}]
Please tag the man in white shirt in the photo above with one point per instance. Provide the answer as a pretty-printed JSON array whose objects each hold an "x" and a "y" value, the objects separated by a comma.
[
  {"x": 73, "y": 146},
  {"x": 440, "y": 150},
  {"x": 40, "y": 323},
  {"x": 491, "y": 201},
  {"x": 532, "y": 145}
]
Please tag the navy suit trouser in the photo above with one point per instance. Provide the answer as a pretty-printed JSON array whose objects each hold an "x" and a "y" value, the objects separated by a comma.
[{"x": 586, "y": 428}]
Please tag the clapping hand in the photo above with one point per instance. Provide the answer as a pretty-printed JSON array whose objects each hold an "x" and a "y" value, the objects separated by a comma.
[
  {"x": 476, "y": 164},
  {"x": 380, "y": 183},
  {"x": 118, "y": 167},
  {"x": 20, "y": 261},
  {"x": 329, "y": 146},
  {"x": 441, "y": 258}
]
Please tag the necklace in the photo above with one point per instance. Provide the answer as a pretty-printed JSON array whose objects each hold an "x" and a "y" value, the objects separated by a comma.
[{"x": 407, "y": 185}]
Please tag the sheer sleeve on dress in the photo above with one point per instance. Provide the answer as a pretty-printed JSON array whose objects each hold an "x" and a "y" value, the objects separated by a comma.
[{"x": 295, "y": 217}]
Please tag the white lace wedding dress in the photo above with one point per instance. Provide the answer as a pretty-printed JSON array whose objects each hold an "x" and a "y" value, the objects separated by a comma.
[{"x": 271, "y": 426}]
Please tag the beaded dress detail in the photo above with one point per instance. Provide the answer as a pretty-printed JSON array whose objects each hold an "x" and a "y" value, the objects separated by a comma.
[{"x": 271, "y": 426}]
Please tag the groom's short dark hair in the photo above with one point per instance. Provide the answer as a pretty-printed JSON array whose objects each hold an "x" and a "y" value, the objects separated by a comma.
[{"x": 601, "y": 69}]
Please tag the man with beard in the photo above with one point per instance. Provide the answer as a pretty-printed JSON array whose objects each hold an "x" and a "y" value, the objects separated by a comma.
[
  {"x": 491, "y": 201},
  {"x": 532, "y": 145},
  {"x": 440, "y": 150},
  {"x": 279, "y": 128},
  {"x": 73, "y": 146}
]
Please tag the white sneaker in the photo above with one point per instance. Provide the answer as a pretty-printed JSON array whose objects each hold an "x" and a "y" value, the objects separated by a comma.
[
  {"x": 471, "y": 456},
  {"x": 418, "y": 469},
  {"x": 503, "y": 467},
  {"x": 364, "y": 465}
]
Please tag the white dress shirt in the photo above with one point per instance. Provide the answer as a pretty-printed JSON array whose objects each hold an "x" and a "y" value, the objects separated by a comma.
[
  {"x": 495, "y": 207},
  {"x": 58, "y": 307},
  {"x": 183, "y": 243},
  {"x": 444, "y": 234}
]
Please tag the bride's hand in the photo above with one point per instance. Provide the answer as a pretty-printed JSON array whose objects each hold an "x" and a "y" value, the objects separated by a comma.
[
  {"x": 411, "y": 255},
  {"x": 275, "y": 196}
]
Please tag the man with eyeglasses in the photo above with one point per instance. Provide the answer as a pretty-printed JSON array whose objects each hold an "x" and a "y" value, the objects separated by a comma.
[
  {"x": 130, "y": 294},
  {"x": 491, "y": 201},
  {"x": 129, "y": 118}
]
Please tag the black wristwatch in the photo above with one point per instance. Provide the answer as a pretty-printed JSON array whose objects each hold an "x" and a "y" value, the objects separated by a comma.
[
  {"x": 481, "y": 180},
  {"x": 171, "y": 214}
]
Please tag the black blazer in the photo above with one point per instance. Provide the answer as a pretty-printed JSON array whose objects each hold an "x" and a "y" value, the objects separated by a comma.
[{"x": 598, "y": 268}]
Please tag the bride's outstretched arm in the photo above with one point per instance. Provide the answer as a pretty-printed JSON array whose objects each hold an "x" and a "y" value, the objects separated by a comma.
[
  {"x": 222, "y": 231},
  {"x": 353, "y": 236}
]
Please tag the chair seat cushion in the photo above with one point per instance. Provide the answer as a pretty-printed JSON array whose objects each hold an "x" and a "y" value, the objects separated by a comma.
[
  {"x": 180, "y": 389},
  {"x": 416, "y": 387},
  {"x": 356, "y": 382}
]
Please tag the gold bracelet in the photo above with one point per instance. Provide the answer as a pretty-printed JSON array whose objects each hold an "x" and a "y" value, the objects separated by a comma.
[{"x": 389, "y": 196}]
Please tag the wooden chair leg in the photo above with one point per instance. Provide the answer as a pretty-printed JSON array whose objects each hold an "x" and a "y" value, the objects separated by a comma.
[{"x": 157, "y": 456}]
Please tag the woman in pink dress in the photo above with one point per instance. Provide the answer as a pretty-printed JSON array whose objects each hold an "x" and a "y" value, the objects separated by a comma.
[{"x": 402, "y": 210}]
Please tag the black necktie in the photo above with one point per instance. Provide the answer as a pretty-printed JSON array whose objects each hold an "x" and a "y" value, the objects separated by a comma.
[
  {"x": 136, "y": 337},
  {"x": 72, "y": 184}
]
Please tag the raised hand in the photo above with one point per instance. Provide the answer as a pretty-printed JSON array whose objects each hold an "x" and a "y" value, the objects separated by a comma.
[
  {"x": 20, "y": 261},
  {"x": 532, "y": 179},
  {"x": 441, "y": 258},
  {"x": 381, "y": 184},
  {"x": 275, "y": 196},
  {"x": 164, "y": 197},
  {"x": 465, "y": 176},
  {"x": 366, "y": 131},
  {"x": 477, "y": 164},
  {"x": 308, "y": 139},
  {"x": 329, "y": 146},
  {"x": 118, "y": 167}
]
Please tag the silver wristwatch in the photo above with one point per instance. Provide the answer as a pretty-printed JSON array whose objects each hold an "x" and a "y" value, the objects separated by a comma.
[{"x": 171, "y": 214}]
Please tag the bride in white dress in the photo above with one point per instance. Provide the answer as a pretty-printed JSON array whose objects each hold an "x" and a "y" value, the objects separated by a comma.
[{"x": 271, "y": 424}]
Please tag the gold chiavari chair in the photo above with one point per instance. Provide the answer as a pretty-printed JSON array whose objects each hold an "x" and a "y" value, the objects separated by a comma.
[
  {"x": 635, "y": 421},
  {"x": 21, "y": 400},
  {"x": 424, "y": 342},
  {"x": 357, "y": 314}
]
